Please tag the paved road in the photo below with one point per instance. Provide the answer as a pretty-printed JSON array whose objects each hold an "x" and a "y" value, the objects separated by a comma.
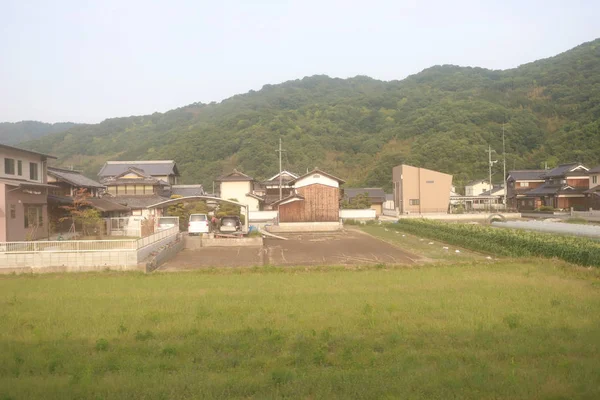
[{"x": 350, "y": 247}]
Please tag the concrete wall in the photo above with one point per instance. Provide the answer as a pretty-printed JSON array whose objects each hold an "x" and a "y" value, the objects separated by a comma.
[
  {"x": 305, "y": 227},
  {"x": 164, "y": 254},
  {"x": 461, "y": 217},
  {"x": 195, "y": 243},
  {"x": 430, "y": 189},
  {"x": 358, "y": 214},
  {"x": 263, "y": 215}
]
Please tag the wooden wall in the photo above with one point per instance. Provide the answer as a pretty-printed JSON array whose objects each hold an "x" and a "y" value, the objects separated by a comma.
[{"x": 321, "y": 204}]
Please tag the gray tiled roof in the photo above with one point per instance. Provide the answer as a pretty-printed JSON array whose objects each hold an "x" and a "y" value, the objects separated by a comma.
[
  {"x": 527, "y": 175},
  {"x": 375, "y": 194},
  {"x": 137, "y": 202},
  {"x": 235, "y": 176},
  {"x": 74, "y": 178},
  {"x": 105, "y": 205},
  {"x": 151, "y": 167},
  {"x": 187, "y": 190},
  {"x": 561, "y": 170},
  {"x": 595, "y": 170}
]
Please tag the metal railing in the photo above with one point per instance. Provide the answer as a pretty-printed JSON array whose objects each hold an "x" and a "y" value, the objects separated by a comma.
[
  {"x": 145, "y": 241},
  {"x": 80, "y": 246},
  {"x": 68, "y": 246}
]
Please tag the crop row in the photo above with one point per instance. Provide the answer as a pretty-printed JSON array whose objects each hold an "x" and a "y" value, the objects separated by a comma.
[{"x": 506, "y": 242}]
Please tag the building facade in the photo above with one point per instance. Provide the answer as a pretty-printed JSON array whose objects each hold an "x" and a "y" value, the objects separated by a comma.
[
  {"x": 23, "y": 195},
  {"x": 419, "y": 190},
  {"x": 239, "y": 187}
]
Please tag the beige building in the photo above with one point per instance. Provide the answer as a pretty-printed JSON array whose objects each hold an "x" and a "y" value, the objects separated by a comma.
[
  {"x": 419, "y": 190},
  {"x": 478, "y": 187},
  {"x": 239, "y": 187},
  {"x": 23, "y": 194}
]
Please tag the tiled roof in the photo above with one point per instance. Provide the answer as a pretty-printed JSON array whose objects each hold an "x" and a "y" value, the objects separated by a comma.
[
  {"x": 562, "y": 169},
  {"x": 527, "y": 175},
  {"x": 235, "y": 176},
  {"x": 187, "y": 190},
  {"x": 476, "y": 182},
  {"x": 74, "y": 178},
  {"x": 595, "y": 170},
  {"x": 137, "y": 202},
  {"x": 376, "y": 195},
  {"x": 150, "y": 167},
  {"x": 105, "y": 205}
]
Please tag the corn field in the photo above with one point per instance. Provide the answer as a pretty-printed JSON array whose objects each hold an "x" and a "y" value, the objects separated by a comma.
[{"x": 506, "y": 242}]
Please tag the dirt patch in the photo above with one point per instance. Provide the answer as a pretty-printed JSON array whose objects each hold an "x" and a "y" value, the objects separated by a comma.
[
  {"x": 349, "y": 247},
  {"x": 337, "y": 248}
]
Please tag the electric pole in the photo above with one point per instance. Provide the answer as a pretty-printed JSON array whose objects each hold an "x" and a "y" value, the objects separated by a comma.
[
  {"x": 504, "y": 162},
  {"x": 280, "y": 177},
  {"x": 491, "y": 164}
]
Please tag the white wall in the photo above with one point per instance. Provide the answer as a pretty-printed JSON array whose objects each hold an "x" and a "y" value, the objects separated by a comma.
[
  {"x": 316, "y": 178},
  {"x": 262, "y": 215},
  {"x": 477, "y": 189},
  {"x": 358, "y": 214},
  {"x": 238, "y": 191}
]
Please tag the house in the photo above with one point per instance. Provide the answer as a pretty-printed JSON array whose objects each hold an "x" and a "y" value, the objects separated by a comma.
[
  {"x": 315, "y": 198},
  {"x": 564, "y": 187},
  {"x": 163, "y": 170},
  {"x": 477, "y": 187},
  {"x": 593, "y": 193},
  {"x": 23, "y": 194},
  {"x": 420, "y": 190},
  {"x": 187, "y": 190},
  {"x": 376, "y": 197},
  {"x": 275, "y": 188},
  {"x": 520, "y": 182},
  {"x": 136, "y": 189},
  {"x": 240, "y": 187},
  {"x": 66, "y": 183}
]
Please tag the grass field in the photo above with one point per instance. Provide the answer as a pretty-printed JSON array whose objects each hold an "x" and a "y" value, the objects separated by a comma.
[{"x": 479, "y": 330}]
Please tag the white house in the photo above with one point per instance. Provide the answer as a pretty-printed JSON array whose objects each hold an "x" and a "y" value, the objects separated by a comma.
[
  {"x": 475, "y": 188},
  {"x": 239, "y": 186}
]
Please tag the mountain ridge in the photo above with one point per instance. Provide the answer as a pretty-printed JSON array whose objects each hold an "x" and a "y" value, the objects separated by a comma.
[{"x": 443, "y": 118}]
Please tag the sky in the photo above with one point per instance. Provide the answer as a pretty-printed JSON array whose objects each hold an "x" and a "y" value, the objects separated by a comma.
[{"x": 85, "y": 61}]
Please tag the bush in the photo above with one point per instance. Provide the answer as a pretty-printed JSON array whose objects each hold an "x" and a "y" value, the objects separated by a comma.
[
  {"x": 506, "y": 242},
  {"x": 546, "y": 208}
]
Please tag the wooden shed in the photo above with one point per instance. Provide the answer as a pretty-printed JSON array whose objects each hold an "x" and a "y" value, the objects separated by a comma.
[{"x": 315, "y": 198}]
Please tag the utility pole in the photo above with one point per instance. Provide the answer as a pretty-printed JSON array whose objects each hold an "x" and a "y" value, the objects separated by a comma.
[
  {"x": 504, "y": 162},
  {"x": 280, "y": 177},
  {"x": 491, "y": 164}
]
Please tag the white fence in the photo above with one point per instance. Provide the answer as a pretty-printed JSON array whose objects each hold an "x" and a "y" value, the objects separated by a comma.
[
  {"x": 358, "y": 214},
  {"x": 256, "y": 216},
  {"x": 81, "y": 255},
  {"x": 593, "y": 215},
  {"x": 390, "y": 212}
]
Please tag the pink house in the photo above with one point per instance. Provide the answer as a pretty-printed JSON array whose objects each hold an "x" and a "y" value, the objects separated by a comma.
[{"x": 23, "y": 194}]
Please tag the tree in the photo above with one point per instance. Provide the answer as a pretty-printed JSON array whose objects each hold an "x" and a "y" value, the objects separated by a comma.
[
  {"x": 359, "y": 202},
  {"x": 83, "y": 214}
]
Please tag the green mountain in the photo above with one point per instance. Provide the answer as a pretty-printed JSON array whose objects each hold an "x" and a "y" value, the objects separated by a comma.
[
  {"x": 442, "y": 118},
  {"x": 12, "y": 133}
]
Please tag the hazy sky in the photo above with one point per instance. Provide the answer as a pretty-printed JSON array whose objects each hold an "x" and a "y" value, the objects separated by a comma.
[{"x": 85, "y": 61}]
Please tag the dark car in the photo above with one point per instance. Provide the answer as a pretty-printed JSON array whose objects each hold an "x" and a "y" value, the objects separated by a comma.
[{"x": 231, "y": 224}]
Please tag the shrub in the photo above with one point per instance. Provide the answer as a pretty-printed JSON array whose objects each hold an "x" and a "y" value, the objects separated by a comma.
[{"x": 546, "y": 208}]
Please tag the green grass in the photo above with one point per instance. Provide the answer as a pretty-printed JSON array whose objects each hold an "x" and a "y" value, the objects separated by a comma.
[
  {"x": 500, "y": 330},
  {"x": 421, "y": 246}
]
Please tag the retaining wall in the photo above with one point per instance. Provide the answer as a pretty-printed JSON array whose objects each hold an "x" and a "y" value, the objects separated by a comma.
[
  {"x": 165, "y": 253},
  {"x": 195, "y": 243},
  {"x": 366, "y": 214},
  {"x": 305, "y": 227}
]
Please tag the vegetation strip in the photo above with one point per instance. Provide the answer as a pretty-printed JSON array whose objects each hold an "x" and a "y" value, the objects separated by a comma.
[{"x": 506, "y": 242}]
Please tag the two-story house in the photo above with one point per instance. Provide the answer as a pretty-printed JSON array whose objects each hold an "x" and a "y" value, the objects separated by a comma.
[
  {"x": 164, "y": 170},
  {"x": 240, "y": 187},
  {"x": 23, "y": 194},
  {"x": 476, "y": 188},
  {"x": 564, "y": 187},
  {"x": 593, "y": 193},
  {"x": 519, "y": 182},
  {"x": 275, "y": 188},
  {"x": 136, "y": 189},
  {"x": 66, "y": 184}
]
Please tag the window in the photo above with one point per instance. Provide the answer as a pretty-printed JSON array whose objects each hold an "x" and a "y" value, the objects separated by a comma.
[
  {"x": 429, "y": 181},
  {"x": 524, "y": 184},
  {"x": 9, "y": 166},
  {"x": 595, "y": 179},
  {"x": 33, "y": 171},
  {"x": 33, "y": 216},
  {"x": 316, "y": 176},
  {"x": 414, "y": 202},
  {"x": 13, "y": 211},
  {"x": 20, "y": 168}
]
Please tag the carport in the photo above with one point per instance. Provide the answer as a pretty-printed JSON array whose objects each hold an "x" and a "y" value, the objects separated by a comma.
[{"x": 207, "y": 198}]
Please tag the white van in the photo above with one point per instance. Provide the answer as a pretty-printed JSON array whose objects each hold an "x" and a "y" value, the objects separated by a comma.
[{"x": 198, "y": 224}]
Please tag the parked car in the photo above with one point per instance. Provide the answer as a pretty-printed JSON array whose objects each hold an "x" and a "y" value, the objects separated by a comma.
[
  {"x": 231, "y": 224},
  {"x": 198, "y": 224},
  {"x": 167, "y": 223}
]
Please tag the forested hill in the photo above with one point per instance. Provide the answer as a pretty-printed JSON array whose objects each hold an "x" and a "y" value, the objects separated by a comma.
[
  {"x": 17, "y": 132},
  {"x": 441, "y": 118}
]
